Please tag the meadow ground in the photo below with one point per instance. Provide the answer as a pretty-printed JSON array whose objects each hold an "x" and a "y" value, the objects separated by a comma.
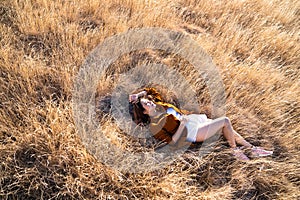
[{"x": 254, "y": 44}]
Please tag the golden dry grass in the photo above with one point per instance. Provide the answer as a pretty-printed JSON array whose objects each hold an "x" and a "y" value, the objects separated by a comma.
[{"x": 255, "y": 45}]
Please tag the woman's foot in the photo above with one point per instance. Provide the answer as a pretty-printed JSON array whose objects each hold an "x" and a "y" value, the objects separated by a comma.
[
  {"x": 260, "y": 152},
  {"x": 239, "y": 155}
]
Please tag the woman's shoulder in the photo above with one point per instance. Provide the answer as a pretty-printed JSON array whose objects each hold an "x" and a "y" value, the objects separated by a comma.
[{"x": 169, "y": 106}]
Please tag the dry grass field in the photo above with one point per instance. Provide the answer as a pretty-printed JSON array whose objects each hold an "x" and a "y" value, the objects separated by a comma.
[{"x": 254, "y": 44}]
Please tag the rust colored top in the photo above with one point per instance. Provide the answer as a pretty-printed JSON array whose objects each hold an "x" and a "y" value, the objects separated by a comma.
[{"x": 164, "y": 126}]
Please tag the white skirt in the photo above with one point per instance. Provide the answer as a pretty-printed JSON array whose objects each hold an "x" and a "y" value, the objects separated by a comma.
[{"x": 194, "y": 122}]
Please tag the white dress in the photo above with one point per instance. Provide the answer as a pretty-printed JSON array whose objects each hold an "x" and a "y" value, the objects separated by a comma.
[{"x": 194, "y": 122}]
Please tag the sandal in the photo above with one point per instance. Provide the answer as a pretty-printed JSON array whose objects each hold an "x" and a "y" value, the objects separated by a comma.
[
  {"x": 260, "y": 152},
  {"x": 239, "y": 155}
]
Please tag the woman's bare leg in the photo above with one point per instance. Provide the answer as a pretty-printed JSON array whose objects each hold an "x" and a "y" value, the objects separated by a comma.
[
  {"x": 240, "y": 140},
  {"x": 229, "y": 133},
  {"x": 222, "y": 123}
]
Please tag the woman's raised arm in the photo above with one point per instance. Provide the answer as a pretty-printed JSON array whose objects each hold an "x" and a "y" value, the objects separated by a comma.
[{"x": 134, "y": 97}]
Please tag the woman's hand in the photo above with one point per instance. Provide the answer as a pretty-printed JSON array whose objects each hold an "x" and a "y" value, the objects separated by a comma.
[
  {"x": 133, "y": 98},
  {"x": 183, "y": 119}
]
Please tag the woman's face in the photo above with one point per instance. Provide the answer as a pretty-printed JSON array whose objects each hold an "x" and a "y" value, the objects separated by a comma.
[{"x": 148, "y": 105}]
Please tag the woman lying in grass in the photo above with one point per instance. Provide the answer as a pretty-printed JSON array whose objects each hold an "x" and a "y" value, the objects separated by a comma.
[{"x": 169, "y": 124}]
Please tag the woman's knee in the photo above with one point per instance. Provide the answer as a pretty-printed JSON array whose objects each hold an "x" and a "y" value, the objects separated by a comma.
[{"x": 227, "y": 121}]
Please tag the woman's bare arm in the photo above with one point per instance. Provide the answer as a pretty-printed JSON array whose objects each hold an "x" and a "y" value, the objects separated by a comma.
[
  {"x": 179, "y": 131},
  {"x": 134, "y": 97}
]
